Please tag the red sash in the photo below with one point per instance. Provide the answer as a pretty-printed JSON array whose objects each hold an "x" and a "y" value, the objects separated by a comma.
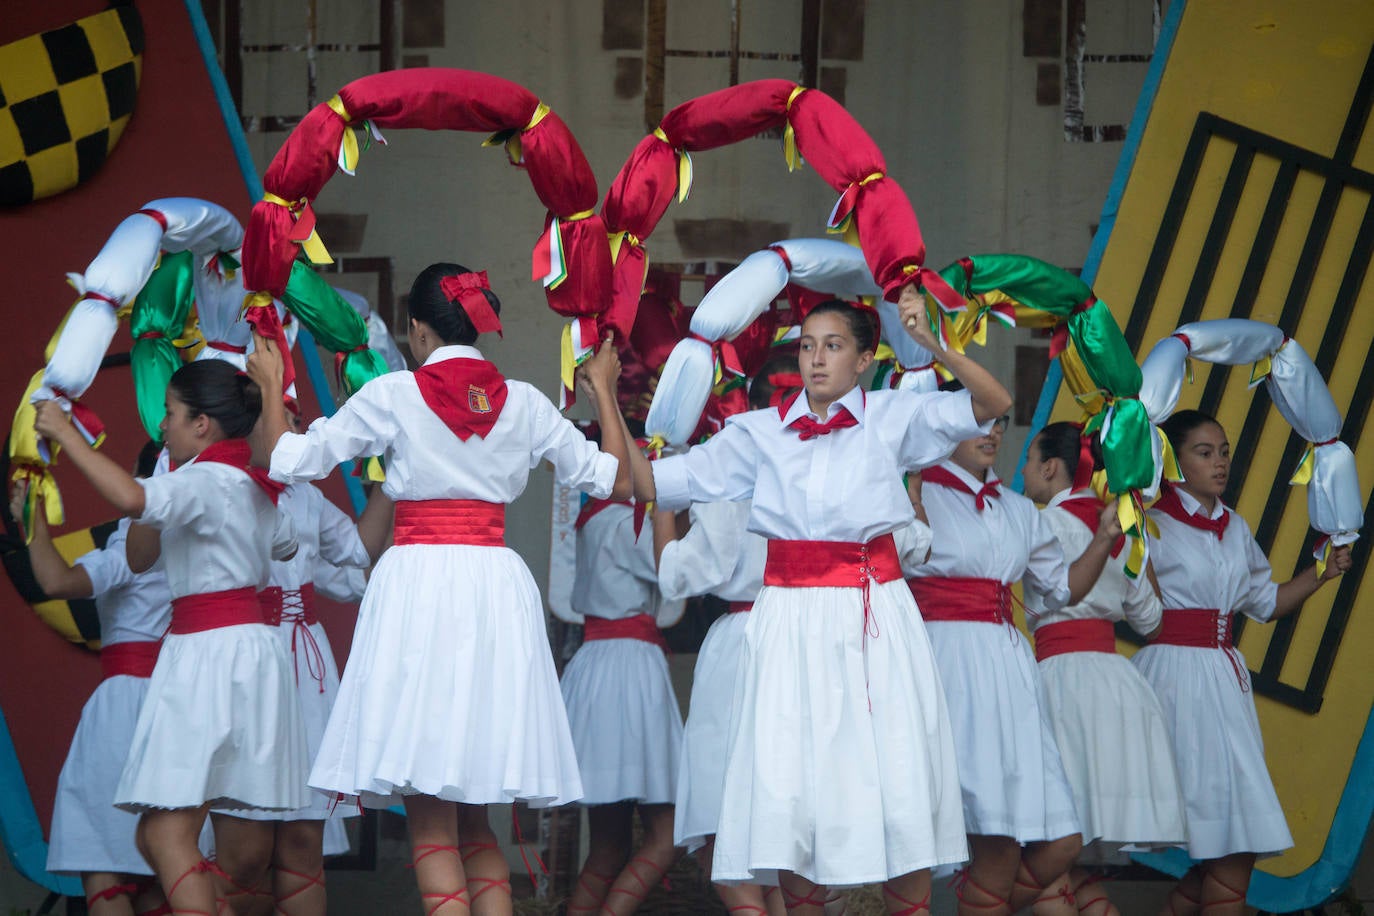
[
  {"x": 212, "y": 610},
  {"x": 1074, "y": 636},
  {"x": 1197, "y": 628},
  {"x": 740, "y": 607},
  {"x": 451, "y": 521},
  {"x": 954, "y": 598},
  {"x": 296, "y": 607},
  {"x": 834, "y": 564},
  {"x": 1203, "y": 628},
  {"x": 467, "y": 394},
  {"x": 237, "y": 454},
  {"x": 136, "y": 659},
  {"x": 642, "y": 627}
]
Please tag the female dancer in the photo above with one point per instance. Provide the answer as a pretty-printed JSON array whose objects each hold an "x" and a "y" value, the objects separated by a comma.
[
  {"x": 220, "y": 725},
  {"x": 1209, "y": 567},
  {"x": 715, "y": 553},
  {"x": 90, "y": 837},
  {"x": 292, "y": 844},
  {"x": 1110, "y": 729},
  {"x": 622, "y": 711},
  {"x": 450, "y": 694},
  {"x": 1014, "y": 789},
  {"x": 837, "y": 670}
]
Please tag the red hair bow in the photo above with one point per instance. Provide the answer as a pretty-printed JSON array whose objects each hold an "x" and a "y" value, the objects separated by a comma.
[{"x": 466, "y": 290}]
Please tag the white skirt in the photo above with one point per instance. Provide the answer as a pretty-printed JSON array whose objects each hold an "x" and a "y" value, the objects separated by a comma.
[
  {"x": 1009, "y": 767},
  {"x": 625, "y": 721},
  {"x": 841, "y": 762},
  {"x": 1116, "y": 750},
  {"x": 89, "y": 834},
  {"x": 316, "y": 677},
  {"x": 449, "y": 689},
  {"x": 1231, "y": 802},
  {"x": 221, "y": 724},
  {"x": 701, "y": 778}
]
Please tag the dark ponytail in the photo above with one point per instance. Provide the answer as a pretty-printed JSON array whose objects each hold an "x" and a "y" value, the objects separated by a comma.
[
  {"x": 429, "y": 304},
  {"x": 218, "y": 390}
]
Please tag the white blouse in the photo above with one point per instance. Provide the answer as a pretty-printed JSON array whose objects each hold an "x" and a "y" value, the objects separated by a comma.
[
  {"x": 425, "y": 460},
  {"x": 615, "y": 570},
  {"x": 1114, "y": 596},
  {"x": 717, "y": 556},
  {"x": 323, "y": 534},
  {"x": 845, "y": 486},
  {"x": 131, "y": 607},
  {"x": 219, "y": 529},
  {"x": 1007, "y": 541},
  {"x": 1195, "y": 570}
]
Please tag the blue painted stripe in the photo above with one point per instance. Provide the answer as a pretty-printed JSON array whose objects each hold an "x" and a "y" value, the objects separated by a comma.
[
  {"x": 234, "y": 125},
  {"x": 20, "y": 832},
  {"x": 1054, "y": 379}
]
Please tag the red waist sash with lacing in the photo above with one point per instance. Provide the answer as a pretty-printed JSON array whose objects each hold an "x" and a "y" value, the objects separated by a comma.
[
  {"x": 296, "y": 607},
  {"x": 1074, "y": 636},
  {"x": 947, "y": 598},
  {"x": 1202, "y": 628},
  {"x": 212, "y": 610},
  {"x": 136, "y": 659},
  {"x": 451, "y": 521},
  {"x": 642, "y": 627},
  {"x": 831, "y": 564}
]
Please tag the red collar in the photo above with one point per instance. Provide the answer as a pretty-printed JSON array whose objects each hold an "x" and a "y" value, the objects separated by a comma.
[
  {"x": 467, "y": 394},
  {"x": 592, "y": 506},
  {"x": 1171, "y": 505},
  {"x": 943, "y": 477},
  {"x": 237, "y": 454},
  {"x": 1088, "y": 510}
]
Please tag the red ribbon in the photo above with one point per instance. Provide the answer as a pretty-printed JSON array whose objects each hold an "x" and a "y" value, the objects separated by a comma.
[
  {"x": 267, "y": 323},
  {"x": 157, "y": 215},
  {"x": 944, "y": 478},
  {"x": 1059, "y": 342},
  {"x": 782, "y": 253},
  {"x": 83, "y": 416},
  {"x": 807, "y": 427},
  {"x": 466, "y": 290},
  {"x": 723, "y": 350},
  {"x": 1083, "y": 474}
]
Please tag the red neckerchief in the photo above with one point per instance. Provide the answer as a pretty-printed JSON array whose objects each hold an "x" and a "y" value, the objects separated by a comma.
[
  {"x": 1172, "y": 506},
  {"x": 467, "y": 394},
  {"x": 808, "y": 427},
  {"x": 236, "y": 453},
  {"x": 1088, "y": 510},
  {"x": 592, "y": 506},
  {"x": 943, "y": 478}
]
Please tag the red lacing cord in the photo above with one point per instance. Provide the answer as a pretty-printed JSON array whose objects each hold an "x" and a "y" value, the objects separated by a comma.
[
  {"x": 520, "y": 841},
  {"x": 459, "y": 896},
  {"x": 747, "y": 908},
  {"x": 791, "y": 900},
  {"x": 310, "y": 881},
  {"x": 1178, "y": 889},
  {"x": 961, "y": 880},
  {"x": 607, "y": 880},
  {"x": 204, "y": 865},
  {"x": 293, "y": 612},
  {"x": 111, "y": 892},
  {"x": 1238, "y": 898},
  {"x": 488, "y": 883},
  {"x": 645, "y": 885},
  {"x": 913, "y": 906}
]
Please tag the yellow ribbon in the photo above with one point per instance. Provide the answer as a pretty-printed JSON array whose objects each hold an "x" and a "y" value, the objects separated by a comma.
[
  {"x": 617, "y": 239},
  {"x": 1302, "y": 475},
  {"x": 1323, "y": 559},
  {"x": 569, "y": 360},
  {"x": 655, "y": 445},
  {"x": 789, "y": 135},
  {"x": 259, "y": 299},
  {"x": 313, "y": 247},
  {"x": 373, "y": 470},
  {"x": 349, "y": 153},
  {"x": 1172, "y": 472},
  {"x": 1260, "y": 370},
  {"x": 684, "y": 166}
]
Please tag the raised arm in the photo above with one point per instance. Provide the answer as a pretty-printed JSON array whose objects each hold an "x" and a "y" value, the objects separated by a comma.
[
  {"x": 1085, "y": 571},
  {"x": 990, "y": 399},
  {"x": 55, "y": 576},
  {"x": 110, "y": 480},
  {"x": 375, "y": 525},
  {"x": 1293, "y": 593},
  {"x": 265, "y": 368},
  {"x": 599, "y": 375}
]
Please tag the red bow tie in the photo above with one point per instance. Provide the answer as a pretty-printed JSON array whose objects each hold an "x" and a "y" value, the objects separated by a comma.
[
  {"x": 808, "y": 428},
  {"x": 943, "y": 478},
  {"x": 1172, "y": 506}
]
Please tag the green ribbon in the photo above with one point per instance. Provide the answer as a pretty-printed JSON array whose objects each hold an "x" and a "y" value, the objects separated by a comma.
[
  {"x": 158, "y": 318},
  {"x": 335, "y": 325}
]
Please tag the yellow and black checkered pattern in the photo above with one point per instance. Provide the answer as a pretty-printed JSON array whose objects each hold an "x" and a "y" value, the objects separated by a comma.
[{"x": 65, "y": 98}]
